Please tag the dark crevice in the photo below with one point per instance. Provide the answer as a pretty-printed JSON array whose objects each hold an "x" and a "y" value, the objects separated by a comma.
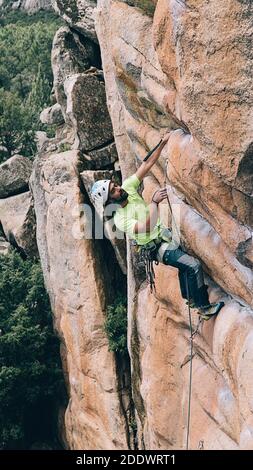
[
  {"x": 18, "y": 248},
  {"x": 123, "y": 368},
  {"x": 184, "y": 5},
  {"x": 95, "y": 57},
  {"x": 148, "y": 6},
  {"x": 177, "y": 123},
  {"x": 137, "y": 374},
  {"x": 114, "y": 283},
  {"x": 2, "y": 234},
  {"x": 241, "y": 253},
  {"x": 24, "y": 189},
  {"x": 244, "y": 177},
  {"x": 100, "y": 147},
  {"x": 92, "y": 165}
]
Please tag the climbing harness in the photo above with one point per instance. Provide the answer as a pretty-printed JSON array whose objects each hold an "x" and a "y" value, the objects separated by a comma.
[
  {"x": 147, "y": 257},
  {"x": 148, "y": 252}
]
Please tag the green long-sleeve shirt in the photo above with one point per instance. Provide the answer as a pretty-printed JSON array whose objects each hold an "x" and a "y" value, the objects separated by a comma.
[{"x": 136, "y": 210}]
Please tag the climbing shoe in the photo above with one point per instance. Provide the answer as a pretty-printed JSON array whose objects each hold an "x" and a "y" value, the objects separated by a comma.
[{"x": 208, "y": 311}]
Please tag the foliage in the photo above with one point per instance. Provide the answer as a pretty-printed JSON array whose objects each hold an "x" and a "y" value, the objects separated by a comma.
[
  {"x": 64, "y": 147},
  {"x": 116, "y": 325},
  {"x": 25, "y": 80},
  {"x": 16, "y": 131},
  {"x": 31, "y": 379},
  {"x": 146, "y": 5},
  {"x": 9, "y": 16}
]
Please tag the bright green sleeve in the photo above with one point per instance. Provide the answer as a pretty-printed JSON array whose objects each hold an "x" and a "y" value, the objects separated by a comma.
[
  {"x": 125, "y": 224},
  {"x": 131, "y": 184}
]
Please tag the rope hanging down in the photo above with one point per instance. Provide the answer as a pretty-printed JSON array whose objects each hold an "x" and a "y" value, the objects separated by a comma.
[
  {"x": 192, "y": 333},
  {"x": 151, "y": 276},
  {"x": 190, "y": 372}
]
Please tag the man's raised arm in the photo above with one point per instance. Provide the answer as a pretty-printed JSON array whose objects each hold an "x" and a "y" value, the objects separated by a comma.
[{"x": 145, "y": 166}]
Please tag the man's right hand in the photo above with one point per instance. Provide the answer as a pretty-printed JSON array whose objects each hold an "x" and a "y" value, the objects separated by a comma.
[
  {"x": 159, "y": 195},
  {"x": 148, "y": 225}
]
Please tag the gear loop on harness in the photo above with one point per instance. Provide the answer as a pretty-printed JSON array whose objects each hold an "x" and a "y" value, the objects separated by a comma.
[{"x": 147, "y": 256}]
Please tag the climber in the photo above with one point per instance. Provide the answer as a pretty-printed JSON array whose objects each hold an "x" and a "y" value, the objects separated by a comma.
[{"x": 142, "y": 223}]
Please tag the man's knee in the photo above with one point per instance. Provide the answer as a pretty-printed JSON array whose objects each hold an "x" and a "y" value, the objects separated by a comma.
[
  {"x": 162, "y": 252},
  {"x": 196, "y": 265},
  {"x": 191, "y": 265},
  {"x": 178, "y": 258}
]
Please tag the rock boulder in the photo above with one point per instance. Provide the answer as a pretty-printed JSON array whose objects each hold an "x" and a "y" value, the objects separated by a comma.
[{"x": 14, "y": 175}]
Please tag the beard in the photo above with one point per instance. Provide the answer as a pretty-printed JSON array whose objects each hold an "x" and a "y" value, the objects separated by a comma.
[{"x": 123, "y": 196}]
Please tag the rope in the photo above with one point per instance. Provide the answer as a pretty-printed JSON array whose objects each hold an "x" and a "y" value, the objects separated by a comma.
[
  {"x": 168, "y": 199},
  {"x": 190, "y": 372},
  {"x": 192, "y": 333},
  {"x": 151, "y": 276},
  {"x": 200, "y": 320}
]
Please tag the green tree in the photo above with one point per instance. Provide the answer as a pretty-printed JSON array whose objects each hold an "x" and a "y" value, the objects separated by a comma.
[
  {"x": 116, "y": 325},
  {"x": 16, "y": 130},
  {"x": 40, "y": 90},
  {"x": 31, "y": 379},
  {"x": 25, "y": 80},
  {"x": 10, "y": 120}
]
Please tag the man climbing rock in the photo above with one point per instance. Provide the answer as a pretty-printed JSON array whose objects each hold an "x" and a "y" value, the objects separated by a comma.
[{"x": 142, "y": 223}]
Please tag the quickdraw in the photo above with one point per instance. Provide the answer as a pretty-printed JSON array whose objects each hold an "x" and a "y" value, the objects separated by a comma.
[{"x": 147, "y": 257}]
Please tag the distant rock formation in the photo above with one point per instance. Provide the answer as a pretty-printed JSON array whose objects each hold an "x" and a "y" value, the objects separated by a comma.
[
  {"x": 79, "y": 14},
  {"x": 30, "y": 6},
  {"x": 14, "y": 175},
  {"x": 17, "y": 217}
]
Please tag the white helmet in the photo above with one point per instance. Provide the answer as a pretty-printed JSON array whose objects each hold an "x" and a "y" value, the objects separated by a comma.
[{"x": 100, "y": 192}]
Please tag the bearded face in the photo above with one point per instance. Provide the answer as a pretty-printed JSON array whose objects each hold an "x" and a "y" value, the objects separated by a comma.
[
  {"x": 117, "y": 194},
  {"x": 123, "y": 196}
]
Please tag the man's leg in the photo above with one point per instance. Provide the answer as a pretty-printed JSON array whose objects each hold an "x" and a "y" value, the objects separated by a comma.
[
  {"x": 184, "y": 277},
  {"x": 189, "y": 270},
  {"x": 182, "y": 283}
]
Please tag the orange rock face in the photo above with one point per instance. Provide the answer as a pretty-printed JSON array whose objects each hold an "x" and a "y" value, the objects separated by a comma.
[
  {"x": 183, "y": 65},
  {"x": 187, "y": 68},
  {"x": 205, "y": 50},
  {"x": 74, "y": 269}
]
